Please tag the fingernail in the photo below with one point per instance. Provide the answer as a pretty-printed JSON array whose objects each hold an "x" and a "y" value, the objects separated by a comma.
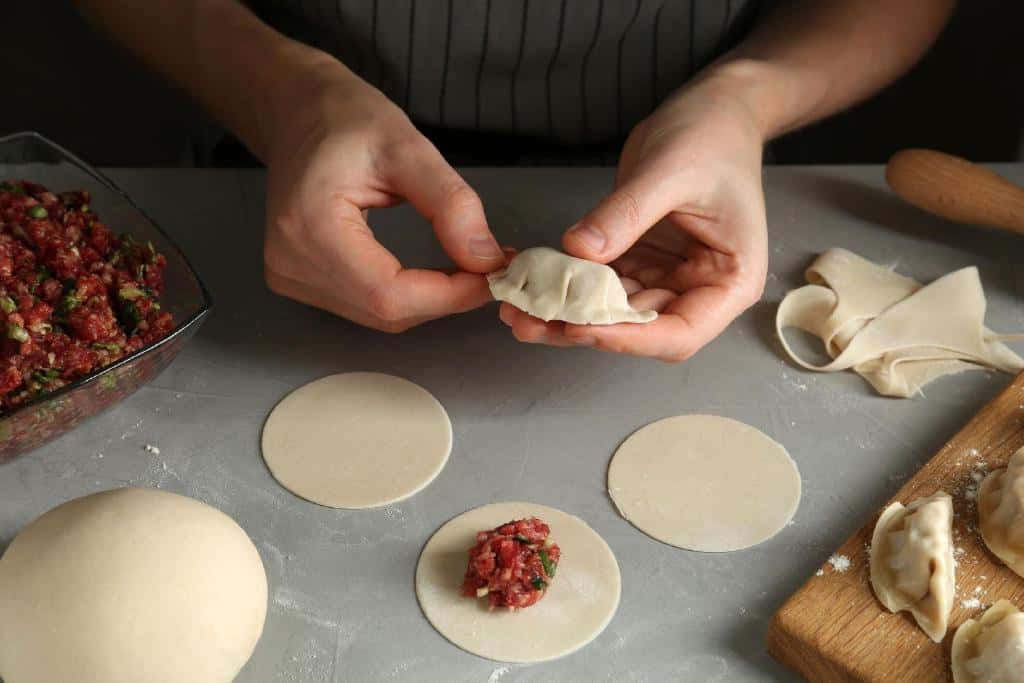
[
  {"x": 583, "y": 341},
  {"x": 590, "y": 236},
  {"x": 485, "y": 247}
]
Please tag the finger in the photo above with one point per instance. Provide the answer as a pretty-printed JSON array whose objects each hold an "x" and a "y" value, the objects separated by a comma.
[
  {"x": 643, "y": 255},
  {"x": 364, "y": 271},
  {"x": 454, "y": 210},
  {"x": 622, "y": 217},
  {"x": 687, "y": 324},
  {"x": 531, "y": 330},
  {"x": 630, "y": 285},
  {"x": 653, "y": 299}
]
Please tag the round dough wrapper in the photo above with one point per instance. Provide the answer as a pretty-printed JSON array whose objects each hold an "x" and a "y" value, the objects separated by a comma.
[
  {"x": 704, "y": 483},
  {"x": 130, "y": 586},
  {"x": 357, "y": 440},
  {"x": 580, "y": 602}
]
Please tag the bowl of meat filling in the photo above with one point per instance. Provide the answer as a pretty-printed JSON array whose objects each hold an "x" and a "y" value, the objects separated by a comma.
[{"x": 95, "y": 299}]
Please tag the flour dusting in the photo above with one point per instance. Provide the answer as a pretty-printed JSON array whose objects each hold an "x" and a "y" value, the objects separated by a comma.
[
  {"x": 498, "y": 674},
  {"x": 840, "y": 563}
]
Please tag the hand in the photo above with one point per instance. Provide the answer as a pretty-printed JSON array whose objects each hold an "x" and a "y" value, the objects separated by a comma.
[
  {"x": 345, "y": 148},
  {"x": 685, "y": 229}
]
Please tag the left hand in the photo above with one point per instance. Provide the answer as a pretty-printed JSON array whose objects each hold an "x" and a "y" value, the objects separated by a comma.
[{"x": 684, "y": 228}]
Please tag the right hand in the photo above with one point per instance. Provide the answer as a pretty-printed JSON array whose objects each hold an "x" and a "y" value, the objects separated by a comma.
[{"x": 342, "y": 149}]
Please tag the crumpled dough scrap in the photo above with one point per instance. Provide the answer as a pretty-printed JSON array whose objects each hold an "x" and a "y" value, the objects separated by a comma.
[
  {"x": 891, "y": 330},
  {"x": 551, "y": 285}
]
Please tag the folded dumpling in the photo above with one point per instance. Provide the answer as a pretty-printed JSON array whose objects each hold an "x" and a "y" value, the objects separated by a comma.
[
  {"x": 990, "y": 650},
  {"x": 551, "y": 285},
  {"x": 1001, "y": 512},
  {"x": 912, "y": 561}
]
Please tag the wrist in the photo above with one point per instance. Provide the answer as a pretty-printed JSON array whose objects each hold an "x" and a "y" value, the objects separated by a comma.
[
  {"x": 306, "y": 82},
  {"x": 768, "y": 94}
]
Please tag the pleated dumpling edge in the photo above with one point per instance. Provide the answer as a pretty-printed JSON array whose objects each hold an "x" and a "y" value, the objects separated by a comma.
[{"x": 551, "y": 285}]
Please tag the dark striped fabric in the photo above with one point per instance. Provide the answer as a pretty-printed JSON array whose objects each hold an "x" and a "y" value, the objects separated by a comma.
[{"x": 574, "y": 71}]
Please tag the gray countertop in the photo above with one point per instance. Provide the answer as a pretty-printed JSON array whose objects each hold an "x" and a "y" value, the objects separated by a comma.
[{"x": 530, "y": 423}]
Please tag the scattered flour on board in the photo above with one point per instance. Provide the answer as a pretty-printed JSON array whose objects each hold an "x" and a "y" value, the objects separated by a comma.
[
  {"x": 840, "y": 563},
  {"x": 970, "y": 487},
  {"x": 150, "y": 448},
  {"x": 970, "y": 603}
]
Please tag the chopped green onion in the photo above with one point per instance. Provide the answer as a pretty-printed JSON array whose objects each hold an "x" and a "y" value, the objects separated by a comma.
[
  {"x": 42, "y": 328},
  {"x": 130, "y": 293},
  {"x": 522, "y": 539},
  {"x": 539, "y": 583},
  {"x": 549, "y": 566},
  {"x": 43, "y": 273},
  {"x": 130, "y": 315},
  {"x": 70, "y": 301},
  {"x": 17, "y": 333},
  {"x": 38, "y": 212},
  {"x": 7, "y": 304},
  {"x": 84, "y": 208},
  {"x": 152, "y": 252},
  {"x": 44, "y": 376},
  {"x": 107, "y": 346}
]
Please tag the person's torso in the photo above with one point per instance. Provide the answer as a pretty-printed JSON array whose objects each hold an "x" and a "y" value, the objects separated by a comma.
[{"x": 569, "y": 70}]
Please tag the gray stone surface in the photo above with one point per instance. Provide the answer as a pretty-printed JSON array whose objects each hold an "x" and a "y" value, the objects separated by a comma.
[{"x": 531, "y": 423}]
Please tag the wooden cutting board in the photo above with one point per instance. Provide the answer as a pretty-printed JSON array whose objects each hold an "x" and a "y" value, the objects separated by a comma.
[{"x": 834, "y": 629}]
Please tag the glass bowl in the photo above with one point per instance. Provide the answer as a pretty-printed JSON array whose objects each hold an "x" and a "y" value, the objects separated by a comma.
[{"x": 30, "y": 156}]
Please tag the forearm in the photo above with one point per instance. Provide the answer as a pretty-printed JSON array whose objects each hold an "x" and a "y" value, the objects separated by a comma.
[
  {"x": 810, "y": 59},
  {"x": 241, "y": 70}
]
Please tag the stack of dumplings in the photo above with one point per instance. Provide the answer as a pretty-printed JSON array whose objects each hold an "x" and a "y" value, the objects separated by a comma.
[{"x": 912, "y": 569}]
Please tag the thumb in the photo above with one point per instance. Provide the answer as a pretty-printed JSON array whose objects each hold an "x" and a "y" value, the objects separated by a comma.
[
  {"x": 454, "y": 210},
  {"x": 615, "y": 224}
]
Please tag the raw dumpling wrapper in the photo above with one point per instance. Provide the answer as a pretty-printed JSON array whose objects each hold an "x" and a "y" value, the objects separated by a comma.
[
  {"x": 895, "y": 333},
  {"x": 990, "y": 650},
  {"x": 912, "y": 561},
  {"x": 551, "y": 285},
  {"x": 1001, "y": 512}
]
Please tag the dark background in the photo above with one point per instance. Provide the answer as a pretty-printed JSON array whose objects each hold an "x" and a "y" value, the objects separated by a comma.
[{"x": 61, "y": 79}]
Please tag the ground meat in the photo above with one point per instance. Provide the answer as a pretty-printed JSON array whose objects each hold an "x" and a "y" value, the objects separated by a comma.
[
  {"x": 73, "y": 297},
  {"x": 512, "y": 565}
]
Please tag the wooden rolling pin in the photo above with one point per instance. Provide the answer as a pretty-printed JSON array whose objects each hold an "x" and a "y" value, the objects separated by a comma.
[{"x": 956, "y": 189}]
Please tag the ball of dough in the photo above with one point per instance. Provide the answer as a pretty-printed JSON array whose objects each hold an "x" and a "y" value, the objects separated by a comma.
[{"x": 130, "y": 586}]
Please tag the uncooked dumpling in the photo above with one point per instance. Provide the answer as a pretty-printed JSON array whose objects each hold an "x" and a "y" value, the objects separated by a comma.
[
  {"x": 1001, "y": 512},
  {"x": 912, "y": 561},
  {"x": 990, "y": 650},
  {"x": 551, "y": 285},
  {"x": 130, "y": 586},
  {"x": 889, "y": 329}
]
